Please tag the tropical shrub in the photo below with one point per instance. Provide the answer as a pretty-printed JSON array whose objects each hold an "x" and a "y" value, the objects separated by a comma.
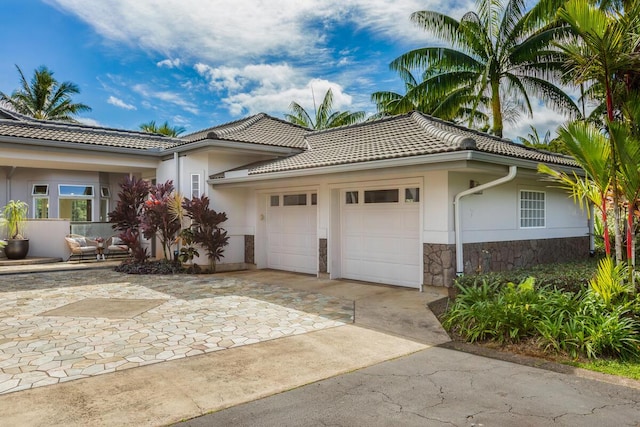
[
  {"x": 157, "y": 219},
  {"x": 599, "y": 321},
  {"x": 126, "y": 217},
  {"x": 205, "y": 229}
]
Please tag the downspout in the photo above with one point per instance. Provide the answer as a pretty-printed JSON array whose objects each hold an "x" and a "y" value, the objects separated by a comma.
[
  {"x": 9, "y": 176},
  {"x": 513, "y": 170},
  {"x": 176, "y": 159}
]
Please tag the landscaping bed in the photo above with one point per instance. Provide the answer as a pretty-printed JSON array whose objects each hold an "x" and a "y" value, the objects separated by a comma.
[{"x": 585, "y": 315}]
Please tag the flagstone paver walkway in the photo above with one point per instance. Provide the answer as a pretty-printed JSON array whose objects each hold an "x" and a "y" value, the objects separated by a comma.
[{"x": 47, "y": 338}]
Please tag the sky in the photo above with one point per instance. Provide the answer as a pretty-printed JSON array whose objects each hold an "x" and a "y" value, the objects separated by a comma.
[{"x": 201, "y": 63}]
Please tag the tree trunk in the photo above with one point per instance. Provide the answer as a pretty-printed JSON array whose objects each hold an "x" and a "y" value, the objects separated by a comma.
[{"x": 496, "y": 108}]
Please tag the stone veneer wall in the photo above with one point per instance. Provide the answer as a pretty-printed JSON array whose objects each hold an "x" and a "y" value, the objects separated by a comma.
[
  {"x": 249, "y": 249},
  {"x": 322, "y": 256},
  {"x": 440, "y": 260}
]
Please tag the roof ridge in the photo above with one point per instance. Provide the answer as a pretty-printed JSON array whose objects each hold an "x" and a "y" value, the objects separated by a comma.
[
  {"x": 428, "y": 125},
  {"x": 242, "y": 125},
  {"x": 51, "y": 124}
]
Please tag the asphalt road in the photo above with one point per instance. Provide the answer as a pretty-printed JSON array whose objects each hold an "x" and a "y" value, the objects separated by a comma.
[{"x": 441, "y": 387}]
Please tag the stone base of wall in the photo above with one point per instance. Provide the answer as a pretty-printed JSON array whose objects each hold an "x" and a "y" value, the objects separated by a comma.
[
  {"x": 322, "y": 256},
  {"x": 440, "y": 260},
  {"x": 249, "y": 249}
]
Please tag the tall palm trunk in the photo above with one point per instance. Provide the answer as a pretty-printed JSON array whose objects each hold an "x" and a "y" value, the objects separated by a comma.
[
  {"x": 496, "y": 108},
  {"x": 614, "y": 167}
]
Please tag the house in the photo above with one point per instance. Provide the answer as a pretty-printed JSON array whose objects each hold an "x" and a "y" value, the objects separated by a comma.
[{"x": 406, "y": 200}]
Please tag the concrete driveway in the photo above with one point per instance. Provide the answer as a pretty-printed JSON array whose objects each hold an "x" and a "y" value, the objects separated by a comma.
[{"x": 61, "y": 331}]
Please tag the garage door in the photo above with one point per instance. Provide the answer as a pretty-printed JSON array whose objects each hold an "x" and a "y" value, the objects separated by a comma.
[
  {"x": 292, "y": 242},
  {"x": 381, "y": 236}
]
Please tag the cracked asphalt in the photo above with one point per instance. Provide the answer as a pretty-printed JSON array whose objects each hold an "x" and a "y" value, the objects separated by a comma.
[{"x": 441, "y": 387}]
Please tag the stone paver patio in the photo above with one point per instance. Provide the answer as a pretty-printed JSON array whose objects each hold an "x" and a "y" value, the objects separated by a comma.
[{"x": 47, "y": 336}]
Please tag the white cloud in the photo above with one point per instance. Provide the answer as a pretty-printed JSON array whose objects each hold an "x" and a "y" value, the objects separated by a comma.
[
  {"x": 544, "y": 119},
  {"x": 219, "y": 32},
  {"x": 169, "y": 63},
  {"x": 89, "y": 121},
  {"x": 165, "y": 96},
  {"x": 276, "y": 101},
  {"x": 120, "y": 103}
]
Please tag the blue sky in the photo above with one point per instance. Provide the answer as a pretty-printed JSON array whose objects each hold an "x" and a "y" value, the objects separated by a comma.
[{"x": 199, "y": 63}]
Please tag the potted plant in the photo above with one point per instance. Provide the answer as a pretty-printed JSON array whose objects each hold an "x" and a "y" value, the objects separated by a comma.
[{"x": 15, "y": 217}]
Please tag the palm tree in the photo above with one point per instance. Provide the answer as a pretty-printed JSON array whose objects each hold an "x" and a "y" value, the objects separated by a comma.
[
  {"x": 496, "y": 55},
  {"x": 163, "y": 129},
  {"x": 534, "y": 140},
  {"x": 390, "y": 103},
  {"x": 602, "y": 51},
  {"x": 44, "y": 97},
  {"x": 325, "y": 117}
]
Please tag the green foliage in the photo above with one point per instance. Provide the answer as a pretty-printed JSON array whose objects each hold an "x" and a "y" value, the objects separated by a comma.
[
  {"x": 571, "y": 277},
  {"x": 608, "y": 284},
  {"x": 15, "y": 216},
  {"x": 491, "y": 312},
  {"x": 581, "y": 323},
  {"x": 44, "y": 97},
  {"x": 163, "y": 129},
  {"x": 325, "y": 117}
]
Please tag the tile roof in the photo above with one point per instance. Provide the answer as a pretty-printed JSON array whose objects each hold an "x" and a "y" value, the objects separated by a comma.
[
  {"x": 258, "y": 129},
  {"x": 19, "y": 126},
  {"x": 412, "y": 134}
]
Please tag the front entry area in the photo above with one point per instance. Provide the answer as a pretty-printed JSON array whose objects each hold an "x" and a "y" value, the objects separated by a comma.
[
  {"x": 292, "y": 242},
  {"x": 381, "y": 236}
]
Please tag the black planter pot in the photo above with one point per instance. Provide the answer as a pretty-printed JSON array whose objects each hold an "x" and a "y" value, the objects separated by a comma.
[{"x": 16, "y": 248}]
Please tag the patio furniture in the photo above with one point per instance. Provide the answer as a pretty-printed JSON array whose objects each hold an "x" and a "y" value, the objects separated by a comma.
[
  {"x": 115, "y": 246},
  {"x": 80, "y": 245}
]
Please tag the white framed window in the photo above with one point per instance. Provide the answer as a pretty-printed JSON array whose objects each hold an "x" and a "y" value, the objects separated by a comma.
[
  {"x": 105, "y": 192},
  {"x": 65, "y": 190},
  {"x": 351, "y": 197},
  {"x": 195, "y": 185},
  {"x": 532, "y": 209},
  {"x": 274, "y": 201},
  {"x": 382, "y": 196},
  {"x": 104, "y": 210},
  {"x": 39, "y": 190},
  {"x": 411, "y": 195},
  {"x": 75, "y": 202},
  {"x": 294, "y": 200}
]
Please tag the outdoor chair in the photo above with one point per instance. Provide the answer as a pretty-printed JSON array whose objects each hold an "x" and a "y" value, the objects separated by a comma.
[
  {"x": 81, "y": 245},
  {"x": 115, "y": 246}
]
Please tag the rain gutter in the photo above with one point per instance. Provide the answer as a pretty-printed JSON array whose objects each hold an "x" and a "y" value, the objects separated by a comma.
[{"x": 457, "y": 209}]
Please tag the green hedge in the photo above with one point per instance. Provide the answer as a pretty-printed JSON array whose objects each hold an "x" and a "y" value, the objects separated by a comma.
[{"x": 571, "y": 277}]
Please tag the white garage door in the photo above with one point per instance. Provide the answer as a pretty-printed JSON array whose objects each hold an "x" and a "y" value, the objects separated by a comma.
[
  {"x": 381, "y": 236},
  {"x": 292, "y": 242}
]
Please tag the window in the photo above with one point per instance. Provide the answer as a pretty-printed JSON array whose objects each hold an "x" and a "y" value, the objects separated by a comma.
[
  {"x": 105, "y": 192},
  {"x": 104, "y": 210},
  {"x": 381, "y": 196},
  {"x": 351, "y": 197},
  {"x": 40, "y": 190},
  {"x": 314, "y": 199},
  {"x": 411, "y": 195},
  {"x": 75, "y": 190},
  {"x": 40, "y": 207},
  {"x": 195, "y": 185},
  {"x": 532, "y": 209},
  {"x": 76, "y": 209},
  {"x": 275, "y": 200},
  {"x": 294, "y": 200}
]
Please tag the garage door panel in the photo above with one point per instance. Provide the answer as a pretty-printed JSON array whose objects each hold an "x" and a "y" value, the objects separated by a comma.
[
  {"x": 381, "y": 243},
  {"x": 292, "y": 238}
]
